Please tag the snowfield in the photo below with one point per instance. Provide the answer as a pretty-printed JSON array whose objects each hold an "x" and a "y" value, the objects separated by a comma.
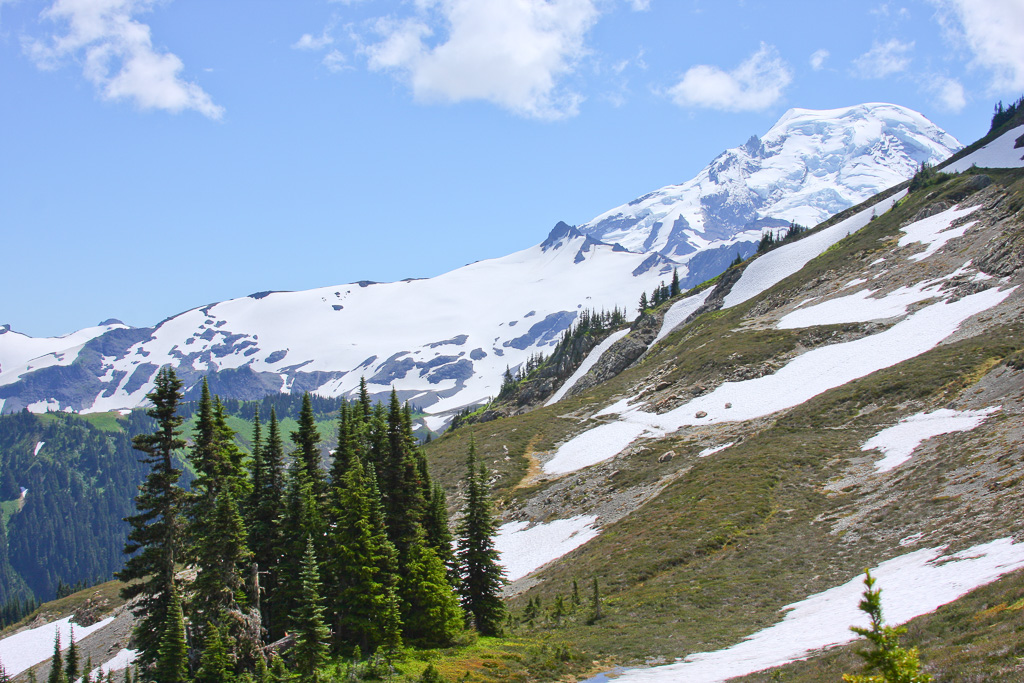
[
  {"x": 679, "y": 312},
  {"x": 803, "y": 378},
  {"x": 27, "y": 648},
  {"x": 913, "y": 584},
  {"x": 997, "y": 154},
  {"x": 525, "y": 548},
  {"x": 934, "y": 231},
  {"x": 900, "y": 441}
]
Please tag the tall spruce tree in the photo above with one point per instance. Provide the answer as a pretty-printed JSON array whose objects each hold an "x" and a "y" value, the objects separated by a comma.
[
  {"x": 215, "y": 663},
  {"x": 266, "y": 539},
  {"x": 71, "y": 660},
  {"x": 154, "y": 536},
  {"x": 307, "y": 455},
  {"x": 57, "y": 674},
  {"x": 311, "y": 634},
  {"x": 301, "y": 519},
  {"x": 400, "y": 485},
  {"x": 431, "y": 613},
  {"x": 481, "y": 577},
  {"x": 438, "y": 533}
]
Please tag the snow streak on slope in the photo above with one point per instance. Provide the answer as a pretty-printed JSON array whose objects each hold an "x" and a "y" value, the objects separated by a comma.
[
  {"x": 809, "y": 166},
  {"x": 900, "y": 441},
  {"x": 768, "y": 270},
  {"x": 28, "y": 648},
  {"x": 679, "y": 312},
  {"x": 803, "y": 378},
  {"x": 934, "y": 231},
  {"x": 999, "y": 153},
  {"x": 524, "y": 550},
  {"x": 913, "y": 584},
  {"x": 588, "y": 362}
]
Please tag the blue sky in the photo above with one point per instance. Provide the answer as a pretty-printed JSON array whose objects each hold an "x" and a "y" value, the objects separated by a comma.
[{"x": 157, "y": 155}]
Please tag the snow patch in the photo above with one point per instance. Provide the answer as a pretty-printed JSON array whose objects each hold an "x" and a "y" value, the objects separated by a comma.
[
  {"x": 589, "y": 362},
  {"x": 714, "y": 449},
  {"x": 524, "y": 549},
  {"x": 679, "y": 312},
  {"x": 898, "y": 442},
  {"x": 768, "y": 270},
  {"x": 28, "y": 648},
  {"x": 803, "y": 378},
  {"x": 38, "y": 446},
  {"x": 913, "y": 584},
  {"x": 858, "y": 307},
  {"x": 122, "y": 660},
  {"x": 934, "y": 231}
]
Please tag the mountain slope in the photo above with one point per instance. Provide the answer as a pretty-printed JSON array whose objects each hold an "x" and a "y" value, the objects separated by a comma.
[
  {"x": 741, "y": 465},
  {"x": 416, "y": 335}
]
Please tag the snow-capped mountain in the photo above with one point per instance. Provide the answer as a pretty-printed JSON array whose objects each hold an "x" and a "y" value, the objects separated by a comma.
[
  {"x": 445, "y": 342},
  {"x": 809, "y": 166}
]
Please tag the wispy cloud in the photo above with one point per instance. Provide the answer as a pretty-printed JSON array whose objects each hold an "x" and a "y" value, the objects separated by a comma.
[
  {"x": 307, "y": 41},
  {"x": 818, "y": 58},
  {"x": 756, "y": 84},
  {"x": 948, "y": 93},
  {"x": 118, "y": 56},
  {"x": 884, "y": 59},
  {"x": 514, "y": 53},
  {"x": 993, "y": 30}
]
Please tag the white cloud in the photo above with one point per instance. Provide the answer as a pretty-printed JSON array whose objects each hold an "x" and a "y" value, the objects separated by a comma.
[
  {"x": 640, "y": 5},
  {"x": 949, "y": 93},
  {"x": 818, "y": 58},
  {"x": 994, "y": 31},
  {"x": 514, "y": 53},
  {"x": 755, "y": 84},
  {"x": 335, "y": 61},
  {"x": 884, "y": 59},
  {"x": 310, "y": 42},
  {"x": 118, "y": 56}
]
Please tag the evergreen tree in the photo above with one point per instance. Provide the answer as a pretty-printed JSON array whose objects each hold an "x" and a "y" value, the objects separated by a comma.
[
  {"x": 265, "y": 538},
  {"x": 311, "y": 635},
  {"x": 215, "y": 663},
  {"x": 595, "y": 603},
  {"x": 431, "y": 675},
  {"x": 301, "y": 520},
  {"x": 481, "y": 577},
  {"x": 172, "y": 662},
  {"x": 307, "y": 455},
  {"x": 643, "y": 302},
  {"x": 431, "y": 613},
  {"x": 56, "y": 663},
  {"x": 438, "y": 533},
  {"x": 401, "y": 486},
  {"x": 154, "y": 538},
  {"x": 674, "y": 287},
  {"x": 4, "y": 677},
  {"x": 893, "y": 663},
  {"x": 361, "y": 565},
  {"x": 71, "y": 662}
]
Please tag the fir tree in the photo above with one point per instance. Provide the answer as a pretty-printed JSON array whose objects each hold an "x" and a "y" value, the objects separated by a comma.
[
  {"x": 56, "y": 663},
  {"x": 595, "y": 603},
  {"x": 215, "y": 663},
  {"x": 307, "y": 455},
  {"x": 71, "y": 662},
  {"x": 674, "y": 287},
  {"x": 301, "y": 520},
  {"x": 643, "y": 302},
  {"x": 401, "y": 486},
  {"x": 893, "y": 663},
  {"x": 4, "y": 677},
  {"x": 172, "y": 662},
  {"x": 431, "y": 613},
  {"x": 438, "y": 533},
  {"x": 361, "y": 573},
  {"x": 432, "y": 675},
  {"x": 154, "y": 537},
  {"x": 311, "y": 635},
  {"x": 265, "y": 538},
  {"x": 481, "y": 577}
]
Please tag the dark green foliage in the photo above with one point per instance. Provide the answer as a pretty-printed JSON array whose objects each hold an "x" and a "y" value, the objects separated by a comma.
[
  {"x": 311, "y": 634},
  {"x": 438, "y": 533},
  {"x": 595, "y": 603},
  {"x": 154, "y": 539},
  {"x": 56, "y": 663},
  {"x": 432, "y": 675},
  {"x": 265, "y": 537},
  {"x": 1003, "y": 115},
  {"x": 301, "y": 520},
  {"x": 673, "y": 289},
  {"x": 361, "y": 564},
  {"x": 401, "y": 486},
  {"x": 644, "y": 304},
  {"x": 771, "y": 239},
  {"x": 307, "y": 455},
  {"x": 430, "y": 609},
  {"x": 172, "y": 660},
  {"x": 71, "y": 661},
  {"x": 481, "y": 577},
  {"x": 892, "y": 663},
  {"x": 215, "y": 663}
]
